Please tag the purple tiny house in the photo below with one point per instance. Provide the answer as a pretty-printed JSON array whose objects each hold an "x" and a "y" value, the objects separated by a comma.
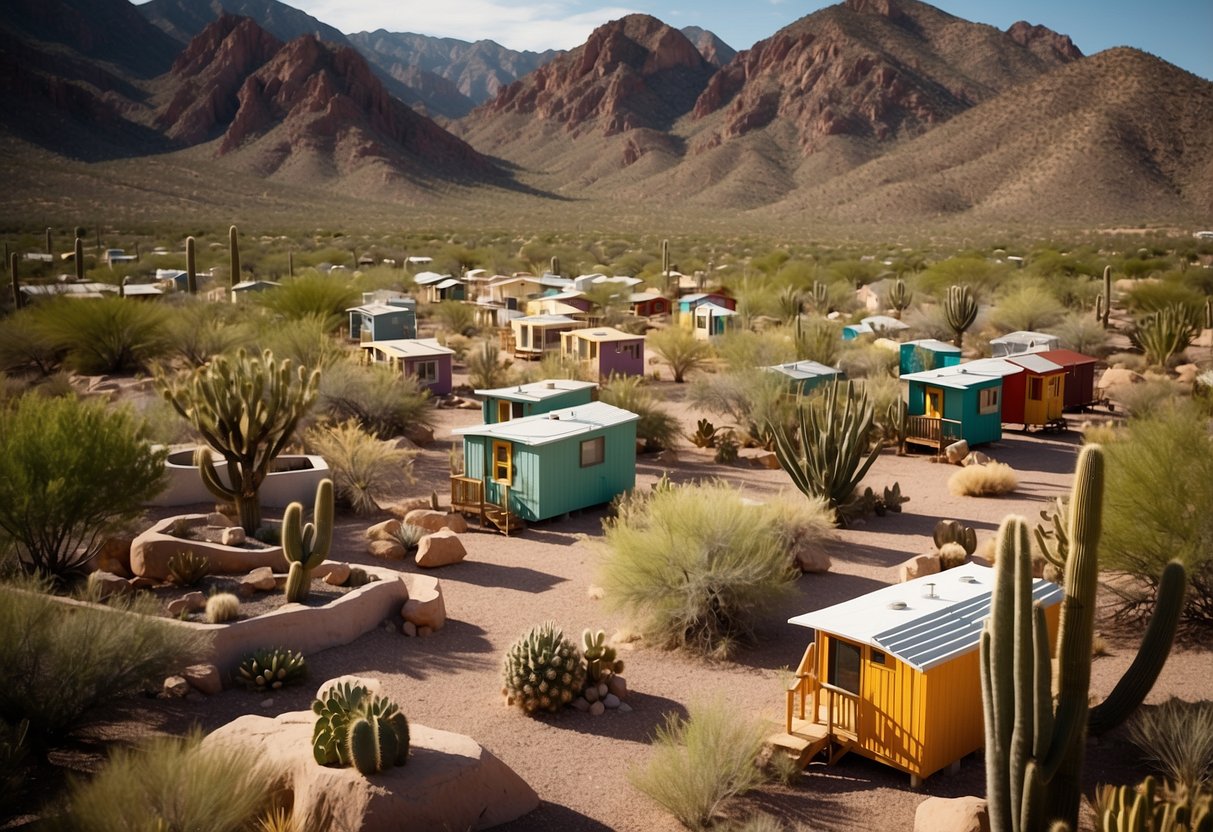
[
  {"x": 423, "y": 358},
  {"x": 605, "y": 350}
]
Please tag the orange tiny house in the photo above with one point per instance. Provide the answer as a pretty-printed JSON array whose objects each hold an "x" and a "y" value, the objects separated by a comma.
[{"x": 893, "y": 675}]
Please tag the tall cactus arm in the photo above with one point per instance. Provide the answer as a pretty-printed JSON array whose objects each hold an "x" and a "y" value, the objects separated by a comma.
[
  {"x": 1136, "y": 682},
  {"x": 1023, "y": 663}
]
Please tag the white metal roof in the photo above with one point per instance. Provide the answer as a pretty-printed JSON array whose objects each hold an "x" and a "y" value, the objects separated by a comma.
[
  {"x": 801, "y": 370},
  {"x": 545, "y": 320},
  {"x": 710, "y": 308},
  {"x": 409, "y": 347},
  {"x": 1023, "y": 341},
  {"x": 969, "y": 374},
  {"x": 933, "y": 345},
  {"x": 547, "y": 428},
  {"x": 425, "y": 278},
  {"x": 924, "y": 622},
  {"x": 448, "y": 283},
  {"x": 641, "y": 297},
  {"x": 378, "y": 308},
  {"x": 604, "y": 333},
  {"x": 537, "y": 391},
  {"x": 131, "y": 289},
  {"x": 1035, "y": 363},
  {"x": 885, "y": 322}
]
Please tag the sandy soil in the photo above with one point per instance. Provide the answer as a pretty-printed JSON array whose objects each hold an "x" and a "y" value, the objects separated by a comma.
[{"x": 577, "y": 763}]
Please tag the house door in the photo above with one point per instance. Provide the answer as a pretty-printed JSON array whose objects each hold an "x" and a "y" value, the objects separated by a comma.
[
  {"x": 1034, "y": 407},
  {"x": 844, "y": 662},
  {"x": 933, "y": 406},
  {"x": 1054, "y": 396}
]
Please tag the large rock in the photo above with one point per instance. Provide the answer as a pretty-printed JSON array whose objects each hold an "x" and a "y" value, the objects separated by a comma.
[
  {"x": 151, "y": 551},
  {"x": 114, "y": 557},
  {"x": 918, "y": 566},
  {"x": 106, "y": 584},
  {"x": 812, "y": 557},
  {"x": 387, "y": 530},
  {"x": 204, "y": 678},
  {"x": 442, "y": 548},
  {"x": 1115, "y": 380},
  {"x": 449, "y": 782},
  {"x": 956, "y": 452},
  {"x": 387, "y": 549},
  {"x": 425, "y": 607},
  {"x": 433, "y": 521},
  {"x": 952, "y": 814}
]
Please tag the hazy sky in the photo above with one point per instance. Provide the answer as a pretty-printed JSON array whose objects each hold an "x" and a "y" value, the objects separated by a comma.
[{"x": 1180, "y": 31}]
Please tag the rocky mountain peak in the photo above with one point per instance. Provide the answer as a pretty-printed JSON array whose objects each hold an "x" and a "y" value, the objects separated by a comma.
[{"x": 1043, "y": 40}]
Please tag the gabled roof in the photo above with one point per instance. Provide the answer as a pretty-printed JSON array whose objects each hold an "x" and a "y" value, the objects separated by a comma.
[
  {"x": 426, "y": 278},
  {"x": 145, "y": 289},
  {"x": 714, "y": 309},
  {"x": 246, "y": 285},
  {"x": 537, "y": 391},
  {"x": 801, "y": 370},
  {"x": 1066, "y": 358},
  {"x": 408, "y": 348},
  {"x": 969, "y": 374},
  {"x": 924, "y": 622},
  {"x": 546, "y": 428},
  {"x": 888, "y": 322},
  {"x": 642, "y": 297},
  {"x": 448, "y": 283},
  {"x": 546, "y": 320}
]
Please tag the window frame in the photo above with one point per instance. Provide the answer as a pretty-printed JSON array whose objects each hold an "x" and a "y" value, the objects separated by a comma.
[
  {"x": 420, "y": 366},
  {"x": 989, "y": 400},
  {"x": 598, "y": 442},
  {"x": 498, "y": 465}
]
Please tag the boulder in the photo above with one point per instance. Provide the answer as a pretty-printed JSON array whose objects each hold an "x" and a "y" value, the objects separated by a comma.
[
  {"x": 918, "y": 566},
  {"x": 387, "y": 530},
  {"x": 114, "y": 556},
  {"x": 151, "y": 551},
  {"x": 204, "y": 678},
  {"x": 425, "y": 607},
  {"x": 952, "y": 814},
  {"x": 216, "y": 518},
  {"x": 387, "y": 549},
  {"x": 107, "y": 584},
  {"x": 420, "y": 434},
  {"x": 618, "y": 686},
  {"x": 232, "y": 536},
  {"x": 335, "y": 575},
  {"x": 261, "y": 579},
  {"x": 597, "y": 709},
  {"x": 175, "y": 687},
  {"x": 142, "y": 583},
  {"x": 450, "y": 782},
  {"x": 766, "y": 460},
  {"x": 433, "y": 521},
  {"x": 401, "y": 509},
  {"x": 442, "y": 548},
  {"x": 975, "y": 458},
  {"x": 811, "y": 556},
  {"x": 1115, "y": 380},
  {"x": 956, "y": 452},
  {"x": 1186, "y": 374}
]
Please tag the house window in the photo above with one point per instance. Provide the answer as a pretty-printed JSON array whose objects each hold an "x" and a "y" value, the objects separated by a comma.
[
  {"x": 503, "y": 462},
  {"x": 878, "y": 658},
  {"x": 843, "y": 668},
  {"x": 593, "y": 451},
  {"x": 987, "y": 401},
  {"x": 1035, "y": 387},
  {"x": 701, "y": 321},
  {"x": 426, "y": 371}
]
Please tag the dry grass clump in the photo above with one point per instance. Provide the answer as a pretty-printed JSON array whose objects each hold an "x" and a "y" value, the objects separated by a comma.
[
  {"x": 991, "y": 479},
  {"x": 365, "y": 468},
  {"x": 222, "y": 607},
  {"x": 1177, "y": 738}
]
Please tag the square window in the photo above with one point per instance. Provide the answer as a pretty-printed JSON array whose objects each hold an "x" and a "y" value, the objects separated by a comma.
[
  {"x": 987, "y": 401},
  {"x": 593, "y": 451},
  {"x": 426, "y": 371}
]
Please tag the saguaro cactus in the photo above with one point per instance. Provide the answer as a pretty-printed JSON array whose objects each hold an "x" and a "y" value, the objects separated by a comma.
[
  {"x": 246, "y": 409},
  {"x": 665, "y": 257},
  {"x": 233, "y": 250},
  {"x": 18, "y": 300},
  {"x": 960, "y": 310},
  {"x": 1107, "y": 296},
  {"x": 1035, "y": 748},
  {"x": 899, "y": 297},
  {"x": 78, "y": 255},
  {"x": 555, "y": 265},
  {"x": 48, "y": 240},
  {"x": 290, "y": 264},
  {"x": 819, "y": 295},
  {"x": 307, "y": 545},
  {"x": 191, "y": 266}
]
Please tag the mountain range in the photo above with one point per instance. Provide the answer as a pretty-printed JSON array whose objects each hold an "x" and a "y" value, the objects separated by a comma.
[{"x": 877, "y": 111}]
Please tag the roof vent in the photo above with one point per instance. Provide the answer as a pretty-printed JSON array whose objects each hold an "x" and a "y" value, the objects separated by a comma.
[
  {"x": 555, "y": 417},
  {"x": 551, "y": 385},
  {"x": 968, "y": 579},
  {"x": 897, "y": 605},
  {"x": 930, "y": 593}
]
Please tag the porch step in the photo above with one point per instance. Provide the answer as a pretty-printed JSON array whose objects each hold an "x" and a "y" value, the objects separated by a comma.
[
  {"x": 806, "y": 742},
  {"x": 505, "y": 522}
]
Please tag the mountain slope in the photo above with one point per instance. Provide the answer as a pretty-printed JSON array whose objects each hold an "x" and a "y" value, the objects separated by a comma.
[
  {"x": 714, "y": 50},
  {"x": 183, "y": 20}
]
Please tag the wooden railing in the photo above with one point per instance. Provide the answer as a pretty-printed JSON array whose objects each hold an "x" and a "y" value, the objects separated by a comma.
[
  {"x": 932, "y": 430},
  {"x": 467, "y": 495},
  {"x": 842, "y": 710},
  {"x": 802, "y": 687}
]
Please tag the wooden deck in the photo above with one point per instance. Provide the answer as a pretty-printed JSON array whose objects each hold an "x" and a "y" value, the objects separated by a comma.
[
  {"x": 932, "y": 432},
  {"x": 467, "y": 497},
  {"x": 821, "y": 719}
]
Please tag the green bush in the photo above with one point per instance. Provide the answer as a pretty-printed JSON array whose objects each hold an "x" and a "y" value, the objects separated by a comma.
[
  {"x": 657, "y": 427},
  {"x": 381, "y": 400},
  {"x": 59, "y": 662},
  {"x": 311, "y": 296},
  {"x": 1158, "y": 505},
  {"x": 485, "y": 370},
  {"x": 694, "y": 565},
  {"x": 680, "y": 349},
  {"x": 989, "y": 479},
  {"x": 171, "y": 783},
  {"x": 455, "y": 316},
  {"x": 750, "y": 399},
  {"x": 364, "y": 468},
  {"x": 1081, "y": 332},
  {"x": 70, "y": 474},
  {"x": 1154, "y": 296},
  {"x": 1177, "y": 738},
  {"x": 109, "y": 335},
  {"x": 26, "y": 348},
  {"x": 698, "y": 765},
  {"x": 199, "y": 330},
  {"x": 1029, "y": 307},
  {"x": 305, "y": 341}
]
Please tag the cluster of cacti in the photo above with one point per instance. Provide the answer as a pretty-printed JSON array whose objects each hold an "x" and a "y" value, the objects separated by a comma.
[
  {"x": 953, "y": 531},
  {"x": 222, "y": 607},
  {"x": 704, "y": 435},
  {"x": 307, "y": 545},
  {"x": 790, "y": 302},
  {"x": 1148, "y": 808},
  {"x": 1035, "y": 740},
  {"x": 191, "y": 266},
  {"x": 187, "y": 568},
  {"x": 819, "y": 296},
  {"x": 890, "y": 499},
  {"x": 899, "y": 297},
  {"x": 271, "y": 669},
  {"x": 356, "y": 727},
  {"x": 960, "y": 311},
  {"x": 600, "y": 660},
  {"x": 233, "y": 246},
  {"x": 896, "y": 425},
  {"x": 246, "y": 409},
  {"x": 543, "y": 670},
  {"x": 1165, "y": 333},
  {"x": 832, "y": 452}
]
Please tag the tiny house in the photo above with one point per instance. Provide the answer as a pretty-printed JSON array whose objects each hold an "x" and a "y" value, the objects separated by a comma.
[
  {"x": 242, "y": 290},
  {"x": 1016, "y": 343},
  {"x": 1079, "y": 385},
  {"x": 963, "y": 401},
  {"x": 424, "y": 359},
  {"x": 709, "y": 321},
  {"x": 381, "y": 322},
  {"x": 572, "y": 303},
  {"x": 689, "y": 303},
  {"x": 806, "y": 376},
  {"x": 536, "y": 334},
  {"x": 894, "y": 675},
  {"x": 927, "y": 354},
  {"x": 1035, "y": 397},
  {"x": 543, "y": 466},
  {"x": 521, "y": 400},
  {"x": 605, "y": 350},
  {"x": 883, "y": 325},
  {"x": 648, "y": 304},
  {"x": 437, "y": 288}
]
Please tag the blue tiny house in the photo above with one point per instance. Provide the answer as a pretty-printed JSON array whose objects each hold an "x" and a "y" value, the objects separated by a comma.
[
  {"x": 538, "y": 467},
  {"x": 806, "y": 376},
  {"x": 927, "y": 354},
  {"x": 522, "y": 400},
  {"x": 959, "y": 402},
  {"x": 377, "y": 321}
]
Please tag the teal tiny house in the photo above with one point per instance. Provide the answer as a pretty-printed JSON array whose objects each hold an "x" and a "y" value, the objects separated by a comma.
[
  {"x": 539, "y": 467},
  {"x": 806, "y": 376},
  {"x": 377, "y": 321},
  {"x": 521, "y": 400},
  {"x": 959, "y": 402},
  {"x": 927, "y": 354}
]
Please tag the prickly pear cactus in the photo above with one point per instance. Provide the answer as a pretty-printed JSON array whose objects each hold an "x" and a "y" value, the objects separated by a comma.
[
  {"x": 600, "y": 661},
  {"x": 543, "y": 670}
]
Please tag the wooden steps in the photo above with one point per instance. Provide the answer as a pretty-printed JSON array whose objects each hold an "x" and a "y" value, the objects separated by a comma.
[
  {"x": 808, "y": 740},
  {"x": 505, "y": 522}
]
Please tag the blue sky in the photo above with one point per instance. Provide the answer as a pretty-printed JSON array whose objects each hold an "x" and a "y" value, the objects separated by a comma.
[{"x": 1180, "y": 31}]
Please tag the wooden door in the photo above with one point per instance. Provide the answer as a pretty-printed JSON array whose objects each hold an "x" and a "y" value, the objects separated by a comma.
[{"x": 934, "y": 403}]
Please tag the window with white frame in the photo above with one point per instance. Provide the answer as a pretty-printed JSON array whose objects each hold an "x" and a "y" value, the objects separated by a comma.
[
  {"x": 987, "y": 401},
  {"x": 426, "y": 371},
  {"x": 593, "y": 451}
]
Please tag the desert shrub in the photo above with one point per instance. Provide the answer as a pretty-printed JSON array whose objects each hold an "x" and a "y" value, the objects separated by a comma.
[
  {"x": 751, "y": 400},
  {"x": 227, "y": 789},
  {"x": 458, "y": 343},
  {"x": 694, "y": 565},
  {"x": 555, "y": 364},
  {"x": 455, "y": 316},
  {"x": 383, "y": 402},
  {"x": 657, "y": 427},
  {"x": 198, "y": 330},
  {"x": 409, "y": 536},
  {"x": 305, "y": 341},
  {"x": 818, "y": 340},
  {"x": 186, "y": 568},
  {"x": 1149, "y": 396},
  {"x": 58, "y": 662},
  {"x": 743, "y": 350},
  {"x": 1079, "y": 331},
  {"x": 110, "y": 335},
  {"x": 70, "y": 475},
  {"x": 310, "y": 296},
  {"x": 222, "y": 607},
  {"x": 485, "y": 370},
  {"x": 984, "y": 276},
  {"x": 26, "y": 348},
  {"x": 1128, "y": 360},
  {"x": 1154, "y": 296},
  {"x": 365, "y": 468},
  {"x": 989, "y": 479},
  {"x": 859, "y": 359},
  {"x": 698, "y": 765},
  {"x": 680, "y": 349},
  {"x": 1177, "y": 738},
  {"x": 1029, "y": 307},
  {"x": 1158, "y": 505},
  {"x": 928, "y": 321}
]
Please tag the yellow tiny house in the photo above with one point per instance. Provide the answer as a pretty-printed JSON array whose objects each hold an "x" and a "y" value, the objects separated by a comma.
[{"x": 893, "y": 675}]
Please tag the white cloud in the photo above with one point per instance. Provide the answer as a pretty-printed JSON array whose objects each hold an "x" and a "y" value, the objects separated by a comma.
[{"x": 536, "y": 26}]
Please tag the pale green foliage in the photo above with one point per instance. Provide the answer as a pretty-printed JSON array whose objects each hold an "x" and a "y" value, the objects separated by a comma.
[
  {"x": 1029, "y": 307},
  {"x": 198, "y": 330},
  {"x": 1147, "y": 397},
  {"x": 751, "y": 399},
  {"x": 989, "y": 479},
  {"x": 384, "y": 402},
  {"x": 485, "y": 370},
  {"x": 1165, "y": 333},
  {"x": 455, "y": 316},
  {"x": 108, "y": 335},
  {"x": 365, "y": 468},
  {"x": 70, "y": 475},
  {"x": 984, "y": 276},
  {"x": 1159, "y": 505},
  {"x": 818, "y": 340},
  {"x": 1082, "y": 333},
  {"x": 744, "y": 350},
  {"x": 311, "y": 296},
  {"x": 171, "y": 783},
  {"x": 657, "y": 427},
  {"x": 693, "y": 565},
  {"x": 861, "y": 358},
  {"x": 680, "y": 349},
  {"x": 25, "y": 347},
  {"x": 698, "y": 765},
  {"x": 222, "y": 607},
  {"x": 59, "y": 663},
  {"x": 1177, "y": 737},
  {"x": 556, "y": 364},
  {"x": 305, "y": 341}
]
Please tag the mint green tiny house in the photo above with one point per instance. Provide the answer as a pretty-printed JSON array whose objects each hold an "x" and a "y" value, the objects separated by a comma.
[
  {"x": 959, "y": 402},
  {"x": 521, "y": 400},
  {"x": 538, "y": 467}
]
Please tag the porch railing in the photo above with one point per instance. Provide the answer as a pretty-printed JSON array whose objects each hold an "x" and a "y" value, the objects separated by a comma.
[
  {"x": 467, "y": 495},
  {"x": 932, "y": 431}
]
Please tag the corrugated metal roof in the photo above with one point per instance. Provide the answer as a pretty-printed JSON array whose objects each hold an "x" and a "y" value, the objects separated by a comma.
[
  {"x": 801, "y": 370},
  {"x": 933, "y": 345},
  {"x": 884, "y": 322},
  {"x": 409, "y": 347},
  {"x": 378, "y": 308},
  {"x": 448, "y": 283},
  {"x": 712, "y": 308},
  {"x": 969, "y": 374},
  {"x": 547, "y": 428},
  {"x": 924, "y": 622}
]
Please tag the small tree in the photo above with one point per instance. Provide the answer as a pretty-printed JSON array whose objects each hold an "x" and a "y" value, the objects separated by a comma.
[
  {"x": 70, "y": 474},
  {"x": 247, "y": 410},
  {"x": 681, "y": 350}
]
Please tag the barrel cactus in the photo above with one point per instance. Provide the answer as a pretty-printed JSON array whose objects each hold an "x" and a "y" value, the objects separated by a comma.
[
  {"x": 953, "y": 531},
  {"x": 543, "y": 670},
  {"x": 272, "y": 669},
  {"x": 600, "y": 660},
  {"x": 356, "y": 727}
]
